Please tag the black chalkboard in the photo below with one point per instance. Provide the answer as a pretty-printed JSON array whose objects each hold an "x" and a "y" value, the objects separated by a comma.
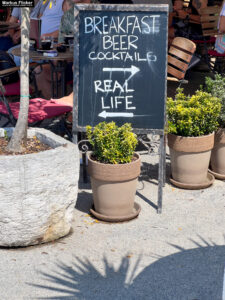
[{"x": 120, "y": 63}]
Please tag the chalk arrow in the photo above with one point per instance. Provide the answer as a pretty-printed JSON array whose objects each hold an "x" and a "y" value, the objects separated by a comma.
[
  {"x": 105, "y": 114},
  {"x": 132, "y": 69}
]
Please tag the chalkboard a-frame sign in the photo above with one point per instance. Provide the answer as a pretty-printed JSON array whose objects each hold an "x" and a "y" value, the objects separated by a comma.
[{"x": 120, "y": 65}]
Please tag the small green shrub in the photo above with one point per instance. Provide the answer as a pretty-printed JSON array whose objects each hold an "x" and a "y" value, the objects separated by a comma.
[
  {"x": 6, "y": 135},
  {"x": 194, "y": 115},
  {"x": 112, "y": 144},
  {"x": 216, "y": 87}
]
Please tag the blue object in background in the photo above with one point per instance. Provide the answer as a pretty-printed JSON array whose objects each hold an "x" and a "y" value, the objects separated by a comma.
[{"x": 6, "y": 43}]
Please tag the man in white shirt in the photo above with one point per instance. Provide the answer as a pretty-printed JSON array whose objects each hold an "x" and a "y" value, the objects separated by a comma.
[{"x": 50, "y": 18}]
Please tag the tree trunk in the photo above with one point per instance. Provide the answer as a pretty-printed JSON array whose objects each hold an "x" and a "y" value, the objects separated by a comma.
[{"x": 20, "y": 131}]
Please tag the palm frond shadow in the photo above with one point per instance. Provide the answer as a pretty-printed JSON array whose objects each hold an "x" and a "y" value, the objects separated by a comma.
[
  {"x": 82, "y": 280},
  {"x": 188, "y": 274}
]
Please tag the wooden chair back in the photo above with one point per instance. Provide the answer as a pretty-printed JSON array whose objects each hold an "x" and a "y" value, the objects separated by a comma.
[
  {"x": 209, "y": 19},
  {"x": 179, "y": 56}
]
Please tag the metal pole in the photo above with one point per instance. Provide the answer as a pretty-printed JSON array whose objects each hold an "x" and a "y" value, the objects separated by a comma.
[
  {"x": 164, "y": 162},
  {"x": 161, "y": 173}
]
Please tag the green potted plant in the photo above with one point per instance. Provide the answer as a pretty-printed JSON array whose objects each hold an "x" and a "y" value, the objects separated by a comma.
[
  {"x": 192, "y": 121},
  {"x": 216, "y": 87},
  {"x": 114, "y": 168}
]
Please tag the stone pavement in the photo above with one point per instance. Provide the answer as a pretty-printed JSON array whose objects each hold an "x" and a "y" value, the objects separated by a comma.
[{"x": 177, "y": 255}]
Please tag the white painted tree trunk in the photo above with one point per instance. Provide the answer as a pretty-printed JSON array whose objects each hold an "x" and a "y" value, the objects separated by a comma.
[{"x": 20, "y": 131}]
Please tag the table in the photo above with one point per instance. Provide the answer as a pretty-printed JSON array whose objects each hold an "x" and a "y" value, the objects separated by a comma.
[
  {"x": 58, "y": 66},
  {"x": 5, "y": 26}
]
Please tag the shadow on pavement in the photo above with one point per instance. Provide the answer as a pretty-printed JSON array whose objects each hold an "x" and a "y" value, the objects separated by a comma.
[
  {"x": 152, "y": 204},
  {"x": 84, "y": 201},
  {"x": 194, "y": 274}
]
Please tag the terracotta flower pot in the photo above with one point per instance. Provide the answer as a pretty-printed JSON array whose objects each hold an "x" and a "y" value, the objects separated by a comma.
[
  {"x": 190, "y": 158},
  {"x": 218, "y": 153},
  {"x": 114, "y": 187}
]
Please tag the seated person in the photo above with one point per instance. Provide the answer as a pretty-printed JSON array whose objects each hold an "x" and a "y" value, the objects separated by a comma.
[
  {"x": 67, "y": 21},
  {"x": 67, "y": 99},
  {"x": 51, "y": 18},
  {"x": 187, "y": 22},
  {"x": 192, "y": 13},
  {"x": 5, "y": 13},
  {"x": 171, "y": 31},
  {"x": 220, "y": 40},
  {"x": 12, "y": 36},
  {"x": 43, "y": 76},
  {"x": 50, "y": 13},
  {"x": 39, "y": 8}
]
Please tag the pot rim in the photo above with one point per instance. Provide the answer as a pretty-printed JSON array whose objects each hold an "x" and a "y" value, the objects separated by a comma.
[
  {"x": 191, "y": 144},
  {"x": 114, "y": 172},
  {"x": 189, "y": 137},
  {"x": 116, "y": 165}
]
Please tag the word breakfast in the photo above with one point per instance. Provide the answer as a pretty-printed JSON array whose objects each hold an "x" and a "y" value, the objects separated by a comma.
[{"x": 120, "y": 36}]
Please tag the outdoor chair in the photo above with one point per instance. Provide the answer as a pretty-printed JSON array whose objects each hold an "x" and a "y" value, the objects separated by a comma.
[
  {"x": 39, "y": 109},
  {"x": 180, "y": 55},
  {"x": 12, "y": 90},
  {"x": 209, "y": 20}
]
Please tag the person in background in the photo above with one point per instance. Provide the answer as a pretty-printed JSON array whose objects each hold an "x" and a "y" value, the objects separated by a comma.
[
  {"x": 43, "y": 77},
  {"x": 39, "y": 8},
  {"x": 66, "y": 27},
  {"x": 67, "y": 21},
  {"x": 170, "y": 23},
  {"x": 192, "y": 13},
  {"x": 187, "y": 21},
  {"x": 221, "y": 23},
  {"x": 220, "y": 40},
  {"x": 12, "y": 36},
  {"x": 5, "y": 13},
  {"x": 69, "y": 99},
  {"x": 51, "y": 18},
  {"x": 50, "y": 13}
]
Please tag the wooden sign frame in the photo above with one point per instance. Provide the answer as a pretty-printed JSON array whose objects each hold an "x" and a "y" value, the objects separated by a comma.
[{"x": 120, "y": 8}]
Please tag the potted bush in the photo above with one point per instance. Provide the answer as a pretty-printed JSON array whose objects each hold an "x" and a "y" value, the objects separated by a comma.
[
  {"x": 114, "y": 168},
  {"x": 192, "y": 121},
  {"x": 216, "y": 87}
]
